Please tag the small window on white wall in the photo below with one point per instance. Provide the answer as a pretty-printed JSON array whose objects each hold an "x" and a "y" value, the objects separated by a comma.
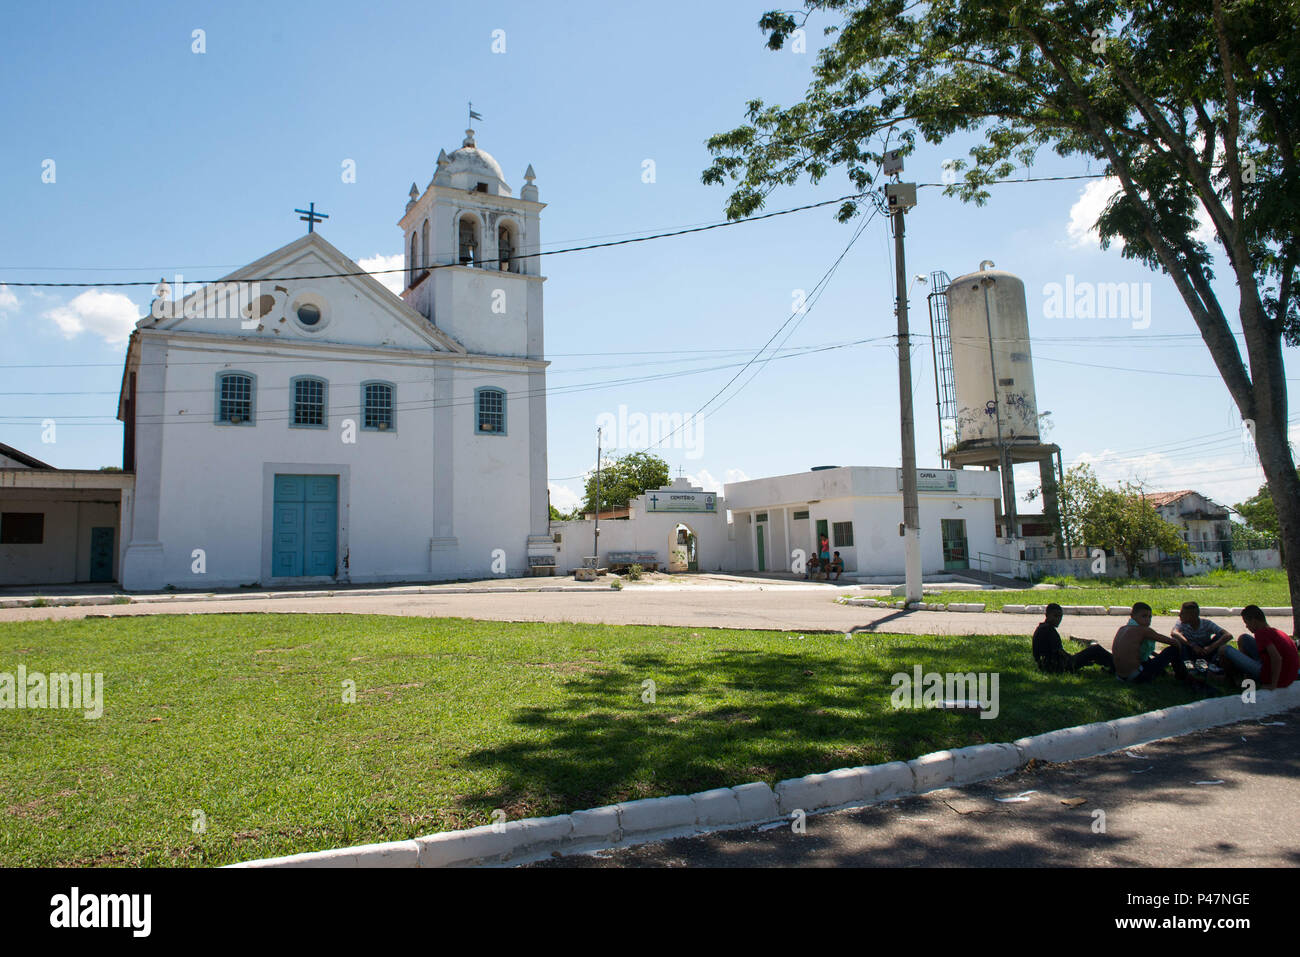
[{"x": 843, "y": 533}]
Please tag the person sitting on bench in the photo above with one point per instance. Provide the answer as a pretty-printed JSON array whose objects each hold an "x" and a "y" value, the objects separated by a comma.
[
  {"x": 837, "y": 566},
  {"x": 1052, "y": 658},
  {"x": 812, "y": 568}
]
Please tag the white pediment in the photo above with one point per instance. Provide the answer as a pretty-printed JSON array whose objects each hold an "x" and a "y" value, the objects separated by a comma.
[{"x": 296, "y": 294}]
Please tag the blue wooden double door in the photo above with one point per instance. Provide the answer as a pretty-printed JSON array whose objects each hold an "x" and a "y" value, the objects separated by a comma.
[{"x": 305, "y": 539}]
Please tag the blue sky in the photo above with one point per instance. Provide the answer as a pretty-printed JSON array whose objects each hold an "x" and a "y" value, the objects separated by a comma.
[{"x": 169, "y": 161}]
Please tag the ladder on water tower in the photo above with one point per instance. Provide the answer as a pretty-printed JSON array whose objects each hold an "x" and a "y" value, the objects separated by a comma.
[{"x": 941, "y": 346}]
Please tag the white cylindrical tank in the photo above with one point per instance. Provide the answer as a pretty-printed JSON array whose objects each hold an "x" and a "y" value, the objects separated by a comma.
[{"x": 992, "y": 300}]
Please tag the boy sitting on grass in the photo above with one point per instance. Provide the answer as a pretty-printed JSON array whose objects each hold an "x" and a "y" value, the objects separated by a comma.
[
  {"x": 1052, "y": 658},
  {"x": 1134, "y": 647},
  {"x": 1267, "y": 655}
]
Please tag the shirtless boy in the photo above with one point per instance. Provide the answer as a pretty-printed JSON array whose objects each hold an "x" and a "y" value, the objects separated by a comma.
[{"x": 1134, "y": 645}]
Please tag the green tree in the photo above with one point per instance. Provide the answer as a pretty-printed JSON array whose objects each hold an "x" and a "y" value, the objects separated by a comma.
[
  {"x": 1122, "y": 519},
  {"x": 1244, "y": 537},
  {"x": 623, "y": 479},
  {"x": 1077, "y": 494},
  {"x": 1260, "y": 515},
  {"x": 1115, "y": 518},
  {"x": 1198, "y": 105}
]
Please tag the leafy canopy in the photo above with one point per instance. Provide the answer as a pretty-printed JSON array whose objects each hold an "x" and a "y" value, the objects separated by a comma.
[
  {"x": 1140, "y": 86},
  {"x": 1116, "y": 518},
  {"x": 623, "y": 479}
]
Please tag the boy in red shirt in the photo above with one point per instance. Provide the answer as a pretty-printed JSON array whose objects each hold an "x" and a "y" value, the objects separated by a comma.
[{"x": 1266, "y": 655}]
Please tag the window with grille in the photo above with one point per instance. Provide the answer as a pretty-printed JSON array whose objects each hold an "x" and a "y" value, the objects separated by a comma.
[
  {"x": 308, "y": 403},
  {"x": 843, "y": 532},
  {"x": 377, "y": 406},
  {"x": 491, "y": 411},
  {"x": 761, "y": 517},
  {"x": 799, "y": 515},
  {"x": 235, "y": 399}
]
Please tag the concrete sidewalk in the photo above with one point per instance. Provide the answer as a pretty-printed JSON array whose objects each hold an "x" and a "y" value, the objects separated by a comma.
[{"x": 1214, "y": 798}]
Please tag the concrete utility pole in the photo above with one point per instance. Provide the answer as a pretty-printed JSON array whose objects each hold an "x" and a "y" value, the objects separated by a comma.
[
  {"x": 595, "y": 543},
  {"x": 902, "y": 196}
]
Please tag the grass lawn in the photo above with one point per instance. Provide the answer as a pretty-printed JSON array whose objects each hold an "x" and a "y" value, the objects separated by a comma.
[
  {"x": 242, "y": 717},
  {"x": 1228, "y": 589}
]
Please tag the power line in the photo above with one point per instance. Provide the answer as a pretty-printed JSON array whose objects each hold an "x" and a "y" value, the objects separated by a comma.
[
  {"x": 1027, "y": 179},
  {"x": 806, "y": 308},
  {"x": 483, "y": 262},
  {"x": 203, "y": 418}
]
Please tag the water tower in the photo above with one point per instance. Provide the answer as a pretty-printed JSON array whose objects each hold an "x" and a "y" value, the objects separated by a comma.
[{"x": 984, "y": 380}]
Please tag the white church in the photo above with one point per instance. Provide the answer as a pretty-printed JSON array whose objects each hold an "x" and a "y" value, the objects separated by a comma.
[{"x": 324, "y": 430}]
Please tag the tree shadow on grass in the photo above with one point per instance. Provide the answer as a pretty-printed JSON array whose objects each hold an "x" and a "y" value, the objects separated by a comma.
[{"x": 732, "y": 716}]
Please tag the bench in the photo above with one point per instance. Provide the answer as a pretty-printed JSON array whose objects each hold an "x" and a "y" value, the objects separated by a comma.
[
  {"x": 541, "y": 565},
  {"x": 620, "y": 561}
]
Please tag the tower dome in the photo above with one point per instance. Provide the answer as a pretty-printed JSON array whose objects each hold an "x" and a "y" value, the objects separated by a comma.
[{"x": 474, "y": 169}]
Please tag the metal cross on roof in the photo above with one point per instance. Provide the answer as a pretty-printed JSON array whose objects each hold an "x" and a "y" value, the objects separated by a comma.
[{"x": 311, "y": 217}]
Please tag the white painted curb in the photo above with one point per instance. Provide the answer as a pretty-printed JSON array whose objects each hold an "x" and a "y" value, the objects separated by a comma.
[
  {"x": 655, "y": 819},
  {"x": 1119, "y": 611}
]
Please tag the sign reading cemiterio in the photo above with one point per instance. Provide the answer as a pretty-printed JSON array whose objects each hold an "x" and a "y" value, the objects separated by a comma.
[
  {"x": 932, "y": 480},
  {"x": 681, "y": 502}
]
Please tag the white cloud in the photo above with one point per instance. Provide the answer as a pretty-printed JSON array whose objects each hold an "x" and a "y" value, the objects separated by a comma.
[
  {"x": 1090, "y": 204},
  {"x": 563, "y": 497},
  {"x": 1082, "y": 228},
  {"x": 109, "y": 315},
  {"x": 7, "y": 299},
  {"x": 706, "y": 480},
  {"x": 395, "y": 281}
]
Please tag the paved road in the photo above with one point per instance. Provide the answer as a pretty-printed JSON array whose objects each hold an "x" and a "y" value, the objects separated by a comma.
[
  {"x": 1155, "y": 816},
  {"x": 776, "y": 606}
]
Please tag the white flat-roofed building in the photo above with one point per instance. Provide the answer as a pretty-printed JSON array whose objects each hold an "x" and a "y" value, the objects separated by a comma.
[{"x": 859, "y": 510}]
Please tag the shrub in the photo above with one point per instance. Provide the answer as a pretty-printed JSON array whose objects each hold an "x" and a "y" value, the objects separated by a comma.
[{"x": 634, "y": 573}]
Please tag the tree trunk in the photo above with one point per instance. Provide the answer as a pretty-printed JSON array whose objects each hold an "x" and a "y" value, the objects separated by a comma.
[{"x": 1284, "y": 487}]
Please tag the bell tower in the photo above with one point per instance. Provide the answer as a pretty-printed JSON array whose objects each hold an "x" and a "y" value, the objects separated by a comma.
[
  {"x": 470, "y": 260},
  {"x": 472, "y": 270}
]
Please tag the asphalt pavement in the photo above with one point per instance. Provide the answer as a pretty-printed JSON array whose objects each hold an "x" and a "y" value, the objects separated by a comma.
[{"x": 775, "y": 605}]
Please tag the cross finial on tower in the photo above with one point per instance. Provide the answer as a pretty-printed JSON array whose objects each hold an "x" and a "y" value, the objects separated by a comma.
[{"x": 311, "y": 217}]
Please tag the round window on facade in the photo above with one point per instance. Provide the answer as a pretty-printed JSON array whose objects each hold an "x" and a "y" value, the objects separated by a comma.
[{"x": 309, "y": 310}]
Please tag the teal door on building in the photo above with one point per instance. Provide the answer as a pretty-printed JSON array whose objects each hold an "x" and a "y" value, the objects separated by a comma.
[
  {"x": 762, "y": 552},
  {"x": 101, "y": 554},
  {"x": 305, "y": 536}
]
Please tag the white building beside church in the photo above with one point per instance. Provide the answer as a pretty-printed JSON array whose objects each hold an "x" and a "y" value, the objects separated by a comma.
[
  {"x": 774, "y": 524},
  {"x": 329, "y": 431}
]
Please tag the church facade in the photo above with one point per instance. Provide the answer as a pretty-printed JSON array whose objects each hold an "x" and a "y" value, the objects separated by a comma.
[{"x": 291, "y": 425}]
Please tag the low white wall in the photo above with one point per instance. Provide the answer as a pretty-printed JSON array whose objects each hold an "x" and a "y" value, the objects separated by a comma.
[
  {"x": 1257, "y": 558},
  {"x": 645, "y": 533}
]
